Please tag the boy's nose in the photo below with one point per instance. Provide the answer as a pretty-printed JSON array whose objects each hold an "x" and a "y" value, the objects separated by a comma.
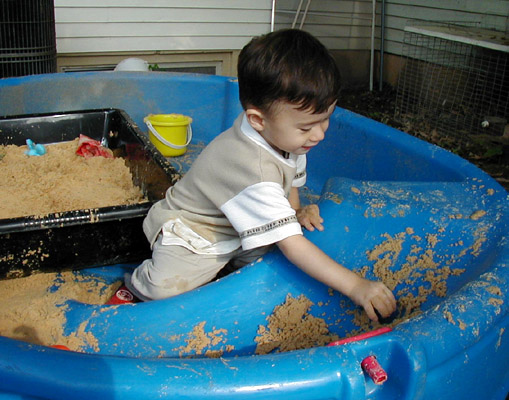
[{"x": 318, "y": 133}]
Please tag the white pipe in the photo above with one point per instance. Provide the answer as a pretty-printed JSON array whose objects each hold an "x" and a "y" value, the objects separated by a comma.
[
  {"x": 297, "y": 14},
  {"x": 382, "y": 45},
  {"x": 305, "y": 14},
  {"x": 273, "y": 15},
  {"x": 372, "y": 58}
]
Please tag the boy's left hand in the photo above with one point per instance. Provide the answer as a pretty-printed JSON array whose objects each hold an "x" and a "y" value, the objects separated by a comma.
[{"x": 309, "y": 217}]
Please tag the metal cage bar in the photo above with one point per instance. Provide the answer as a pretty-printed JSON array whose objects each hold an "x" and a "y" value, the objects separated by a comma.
[
  {"x": 458, "y": 85},
  {"x": 27, "y": 37}
]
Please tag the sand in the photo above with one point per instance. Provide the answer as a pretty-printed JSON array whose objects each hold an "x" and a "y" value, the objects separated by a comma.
[
  {"x": 423, "y": 272},
  {"x": 291, "y": 327},
  {"x": 199, "y": 341},
  {"x": 33, "y": 308},
  {"x": 61, "y": 181}
]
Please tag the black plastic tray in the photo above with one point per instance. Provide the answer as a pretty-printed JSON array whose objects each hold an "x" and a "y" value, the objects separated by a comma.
[{"x": 92, "y": 237}]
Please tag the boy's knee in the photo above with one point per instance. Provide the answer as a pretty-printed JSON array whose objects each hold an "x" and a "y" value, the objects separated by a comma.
[{"x": 147, "y": 288}]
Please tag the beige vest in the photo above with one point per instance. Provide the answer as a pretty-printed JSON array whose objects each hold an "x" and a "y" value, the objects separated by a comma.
[{"x": 229, "y": 164}]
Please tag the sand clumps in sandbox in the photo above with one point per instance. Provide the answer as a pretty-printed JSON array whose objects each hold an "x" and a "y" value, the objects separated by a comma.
[
  {"x": 291, "y": 327},
  {"x": 33, "y": 308},
  {"x": 199, "y": 341},
  {"x": 60, "y": 181},
  {"x": 420, "y": 274}
]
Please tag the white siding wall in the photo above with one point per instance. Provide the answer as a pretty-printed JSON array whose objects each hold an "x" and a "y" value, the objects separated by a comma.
[
  {"x": 97, "y": 32},
  {"x": 183, "y": 25},
  {"x": 84, "y": 26}
]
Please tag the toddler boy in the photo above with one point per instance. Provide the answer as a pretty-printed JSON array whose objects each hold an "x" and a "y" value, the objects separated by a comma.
[{"x": 241, "y": 194}]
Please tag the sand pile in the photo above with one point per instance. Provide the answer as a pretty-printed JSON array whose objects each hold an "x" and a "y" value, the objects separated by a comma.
[
  {"x": 291, "y": 327},
  {"x": 33, "y": 308},
  {"x": 60, "y": 181}
]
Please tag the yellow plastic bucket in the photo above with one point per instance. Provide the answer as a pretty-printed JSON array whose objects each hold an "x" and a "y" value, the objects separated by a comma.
[{"x": 170, "y": 133}]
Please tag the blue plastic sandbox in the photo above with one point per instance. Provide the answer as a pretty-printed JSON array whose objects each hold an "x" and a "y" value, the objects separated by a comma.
[{"x": 375, "y": 186}]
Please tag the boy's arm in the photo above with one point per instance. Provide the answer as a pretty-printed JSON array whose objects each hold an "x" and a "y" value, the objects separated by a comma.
[
  {"x": 308, "y": 216},
  {"x": 294, "y": 198},
  {"x": 313, "y": 261}
]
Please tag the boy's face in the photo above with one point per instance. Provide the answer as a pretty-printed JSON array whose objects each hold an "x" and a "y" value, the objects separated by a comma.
[{"x": 288, "y": 129}]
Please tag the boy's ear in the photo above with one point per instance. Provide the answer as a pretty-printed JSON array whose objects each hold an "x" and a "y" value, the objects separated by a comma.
[{"x": 256, "y": 119}]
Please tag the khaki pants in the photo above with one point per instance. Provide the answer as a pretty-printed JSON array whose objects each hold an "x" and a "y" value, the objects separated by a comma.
[{"x": 174, "y": 270}]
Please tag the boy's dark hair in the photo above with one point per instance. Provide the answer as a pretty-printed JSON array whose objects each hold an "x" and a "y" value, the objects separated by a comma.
[{"x": 287, "y": 65}]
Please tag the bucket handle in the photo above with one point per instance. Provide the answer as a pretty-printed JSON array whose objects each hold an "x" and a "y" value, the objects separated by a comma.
[{"x": 166, "y": 142}]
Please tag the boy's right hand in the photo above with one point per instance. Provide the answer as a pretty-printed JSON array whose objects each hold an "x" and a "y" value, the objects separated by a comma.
[
  {"x": 314, "y": 262},
  {"x": 373, "y": 295}
]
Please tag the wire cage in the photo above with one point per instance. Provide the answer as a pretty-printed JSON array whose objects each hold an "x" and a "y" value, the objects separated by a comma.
[
  {"x": 27, "y": 37},
  {"x": 454, "y": 79}
]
